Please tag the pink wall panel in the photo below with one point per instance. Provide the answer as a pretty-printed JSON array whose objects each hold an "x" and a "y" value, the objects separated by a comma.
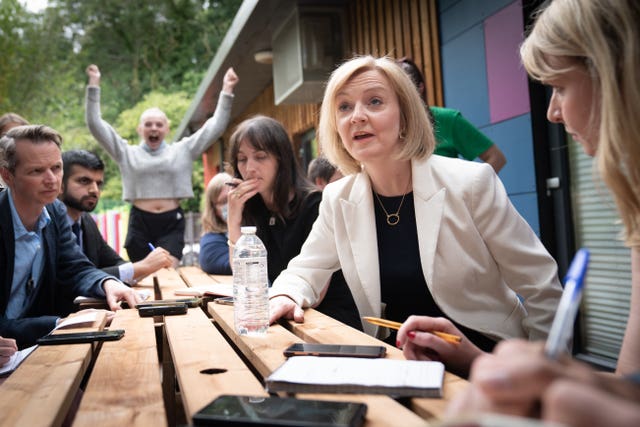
[{"x": 507, "y": 80}]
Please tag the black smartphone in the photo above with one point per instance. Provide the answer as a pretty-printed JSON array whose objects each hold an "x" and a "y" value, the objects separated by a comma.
[
  {"x": 190, "y": 302},
  {"x": 335, "y": 350},
  {"x": 81, "y": 337},
  {"x": 228, "y": 410},
  {"x": 224, "y": 300},
  {"x": 162, "y": 310}
]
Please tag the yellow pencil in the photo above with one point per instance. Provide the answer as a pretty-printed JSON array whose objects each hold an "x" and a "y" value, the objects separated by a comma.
[{"x": 453, "y": 339}]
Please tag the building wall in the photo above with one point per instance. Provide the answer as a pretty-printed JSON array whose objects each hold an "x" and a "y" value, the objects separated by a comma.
[
  {"x": 377, "y": 27},
  {"x": 482, "y": 77}
]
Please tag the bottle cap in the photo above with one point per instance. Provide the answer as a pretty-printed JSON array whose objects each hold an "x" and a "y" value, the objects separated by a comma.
[{"x": 249, "y": 229}]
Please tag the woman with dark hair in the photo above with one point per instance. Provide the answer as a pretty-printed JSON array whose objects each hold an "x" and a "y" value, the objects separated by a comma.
[{"x": 271, "y": 192}]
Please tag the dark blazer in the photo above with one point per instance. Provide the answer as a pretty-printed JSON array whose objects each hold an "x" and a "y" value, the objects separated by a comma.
[
  {"x": 97, "y": 250},
  {"x": 66, "y": 269}
]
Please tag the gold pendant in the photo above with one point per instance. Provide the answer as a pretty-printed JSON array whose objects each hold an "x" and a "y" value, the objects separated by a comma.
[{"x": 393, "y": 219}]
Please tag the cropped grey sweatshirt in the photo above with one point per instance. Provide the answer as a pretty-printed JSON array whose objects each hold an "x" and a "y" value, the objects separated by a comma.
[{"x": 166, "y": 172}]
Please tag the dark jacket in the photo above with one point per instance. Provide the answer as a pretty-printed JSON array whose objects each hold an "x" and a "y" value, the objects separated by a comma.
[
  {"x": 65, "y": 269},
  {"x": 97, "y": 250}
]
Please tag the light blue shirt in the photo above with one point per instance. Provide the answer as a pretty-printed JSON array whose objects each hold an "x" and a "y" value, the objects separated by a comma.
[{"x": 28, "y": 261}]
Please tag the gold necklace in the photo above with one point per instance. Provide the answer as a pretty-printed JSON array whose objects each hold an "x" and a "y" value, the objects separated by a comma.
[{"x": 394, "y": 218}]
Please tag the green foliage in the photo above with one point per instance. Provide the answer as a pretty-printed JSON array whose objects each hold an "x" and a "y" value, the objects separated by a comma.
[{"x": 150, "y": 53}]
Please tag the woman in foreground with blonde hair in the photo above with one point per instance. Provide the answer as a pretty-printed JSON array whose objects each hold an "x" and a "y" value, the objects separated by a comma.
[{"x": 588, "y": 52}]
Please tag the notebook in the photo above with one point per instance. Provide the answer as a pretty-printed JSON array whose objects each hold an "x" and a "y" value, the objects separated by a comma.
[{"x": 311, "y": 374}]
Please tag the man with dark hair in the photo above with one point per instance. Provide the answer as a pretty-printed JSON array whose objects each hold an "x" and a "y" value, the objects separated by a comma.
[
  {"x": 81, "y": 186},
  {"x": 39, "y": 258},
  {"x": 321, "y": 172}
]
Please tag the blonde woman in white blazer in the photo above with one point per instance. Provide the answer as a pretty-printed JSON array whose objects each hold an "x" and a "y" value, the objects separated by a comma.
[{"x": 416, "y": 233}]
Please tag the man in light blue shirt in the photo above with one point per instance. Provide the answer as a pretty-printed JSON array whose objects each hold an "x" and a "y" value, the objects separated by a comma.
[{"x": 39, "y": 257}]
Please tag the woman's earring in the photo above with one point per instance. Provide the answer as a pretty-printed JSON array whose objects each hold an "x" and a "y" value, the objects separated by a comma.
[{"x": 402, "y": 134}]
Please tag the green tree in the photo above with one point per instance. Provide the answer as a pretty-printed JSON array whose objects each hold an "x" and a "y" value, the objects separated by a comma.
[{"x": 151, "y": 52}]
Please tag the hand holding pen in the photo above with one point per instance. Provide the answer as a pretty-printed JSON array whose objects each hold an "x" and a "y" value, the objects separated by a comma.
[
  {"x": 418, "y": 339},
  {"x": 561, "y": 332}
]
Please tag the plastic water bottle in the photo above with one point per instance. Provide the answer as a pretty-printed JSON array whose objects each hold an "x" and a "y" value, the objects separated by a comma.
[{"x": 250, "y": 284}]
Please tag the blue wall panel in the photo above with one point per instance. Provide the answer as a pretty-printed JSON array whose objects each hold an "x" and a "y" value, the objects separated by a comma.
[
  {"x": 515, "y": 140},
  {"x": 525, "y": 204},
  {"x": 464, "y": 75},
  {"x": 458, "y": 17}
]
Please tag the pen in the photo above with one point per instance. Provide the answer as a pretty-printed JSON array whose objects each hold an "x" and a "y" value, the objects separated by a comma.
[
  {"x": 153, "y": 248},
  {"x": 453, "y": 339},
  {"x": 231, "y": 184},
  {"x": 562, "y": 326}
]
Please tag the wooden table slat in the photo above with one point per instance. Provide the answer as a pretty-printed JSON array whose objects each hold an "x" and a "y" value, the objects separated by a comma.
[
  {"x": 125, "y": 385},
  {"x": 196, "y": 344},
  {"x": 41, "y": 391}
]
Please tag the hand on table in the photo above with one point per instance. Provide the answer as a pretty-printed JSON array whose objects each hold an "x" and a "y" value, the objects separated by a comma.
[
  {"x": 284, "y": 307},
  {"x": 117, "y": 291}
]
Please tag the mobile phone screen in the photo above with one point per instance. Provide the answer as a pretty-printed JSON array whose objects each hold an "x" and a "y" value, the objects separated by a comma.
[
  {"x": 81, "y": 337},
  {"x": 335, "y": 350},
  {"x": 229, "y": 410}
]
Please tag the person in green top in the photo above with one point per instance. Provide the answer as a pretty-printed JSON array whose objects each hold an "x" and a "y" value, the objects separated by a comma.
[{"x": 455, "y": 135}]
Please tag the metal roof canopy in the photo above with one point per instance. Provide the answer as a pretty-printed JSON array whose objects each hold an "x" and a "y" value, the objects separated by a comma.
[{"x": 250, "y": 32}]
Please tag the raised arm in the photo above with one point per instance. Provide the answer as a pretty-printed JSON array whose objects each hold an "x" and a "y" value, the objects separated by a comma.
[
  {"x": 94, "y": 75},
  {"x": 213, "y": 128},
  {"x": 229, "y": 81},
  {"x": 106, "y": 136}
]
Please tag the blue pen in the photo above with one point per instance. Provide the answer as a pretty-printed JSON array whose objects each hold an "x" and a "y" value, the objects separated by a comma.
[
  {"x": 153, "y": 248},
  {"x": 562, "y": 326}
]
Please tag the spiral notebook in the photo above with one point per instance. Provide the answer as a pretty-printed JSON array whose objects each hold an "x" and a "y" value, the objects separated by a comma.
[{"x": 311, "y": 374}]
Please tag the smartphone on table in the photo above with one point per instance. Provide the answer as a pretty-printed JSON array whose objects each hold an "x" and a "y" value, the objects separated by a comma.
[
  {"x": 224, "y": 300},
  {"x": 81, "y": 337},
  {"x": 335, "y": 350},
  {"x": 229, "y": 410},
  {"x": 162, "y": 310}
]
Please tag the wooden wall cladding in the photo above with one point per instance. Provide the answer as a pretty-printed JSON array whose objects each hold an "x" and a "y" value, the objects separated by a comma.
[{"x": 397, "y": 28}]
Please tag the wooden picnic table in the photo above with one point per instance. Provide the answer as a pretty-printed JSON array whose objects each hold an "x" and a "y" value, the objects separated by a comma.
[{"x": 167, "y": 368}]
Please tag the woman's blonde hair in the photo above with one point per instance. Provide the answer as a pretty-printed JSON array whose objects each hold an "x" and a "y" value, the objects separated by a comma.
[
  {"x": 211, "y": 221},
  {"x": 415, "y": 127},
  {"x": 604, "y": 36}
]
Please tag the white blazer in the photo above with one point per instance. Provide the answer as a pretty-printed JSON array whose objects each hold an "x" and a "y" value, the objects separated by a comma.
[{"x": 483, "y": 264}]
